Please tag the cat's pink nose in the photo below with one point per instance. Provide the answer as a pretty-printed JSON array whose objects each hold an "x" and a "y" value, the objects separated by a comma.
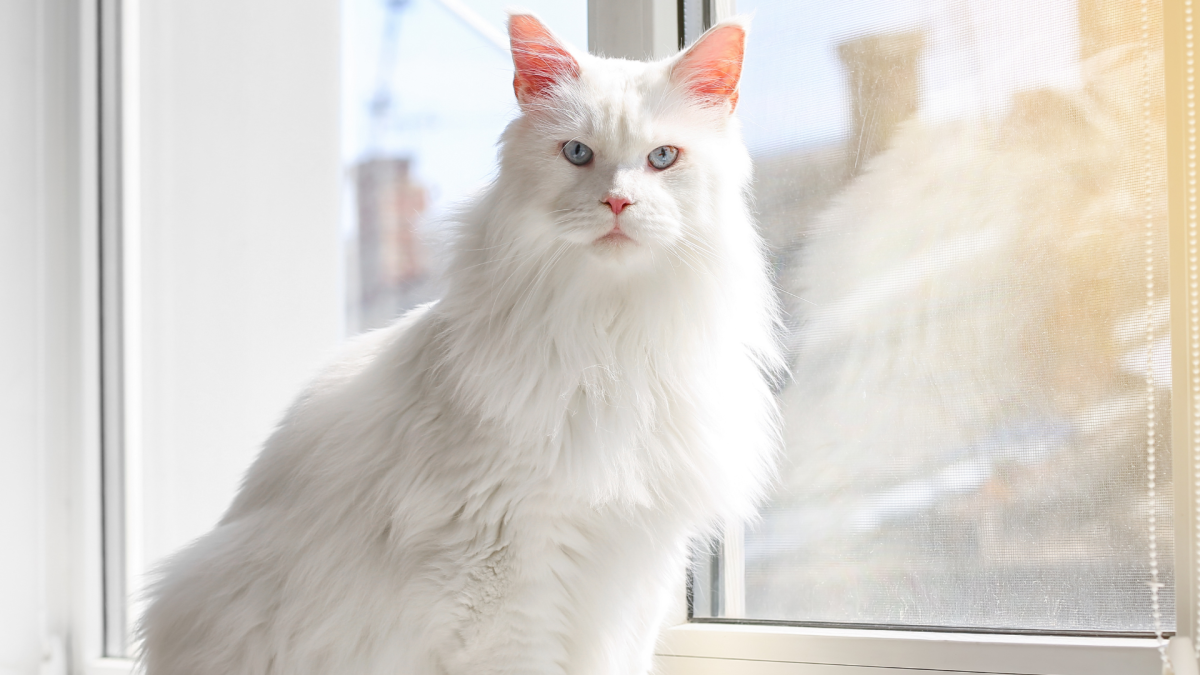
[{"x": 617, "y": 204}]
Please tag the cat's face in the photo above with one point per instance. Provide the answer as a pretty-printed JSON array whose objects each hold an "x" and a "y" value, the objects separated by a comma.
[{"x": 623, "y": 156}]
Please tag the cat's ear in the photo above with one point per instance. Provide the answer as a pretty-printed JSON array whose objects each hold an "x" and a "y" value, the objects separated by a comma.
[
  {"x": 539, "y": 59},
  {"x": 711, "y": 67}
]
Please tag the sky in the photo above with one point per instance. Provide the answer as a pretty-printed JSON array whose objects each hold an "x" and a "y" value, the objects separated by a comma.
[
  {"x": 453, "y": 93},
  {"x": 452, "y": 87},
  {"x": 977, "y": 53}
]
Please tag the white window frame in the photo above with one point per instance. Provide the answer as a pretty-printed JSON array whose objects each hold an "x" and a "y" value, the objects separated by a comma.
[
  {"x": 110, "y": 86},
  {"x": 634, "y": 28}
]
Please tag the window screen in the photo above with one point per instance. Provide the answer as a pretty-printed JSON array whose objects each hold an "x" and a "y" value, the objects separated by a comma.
[{"x": 966, "y": 202}]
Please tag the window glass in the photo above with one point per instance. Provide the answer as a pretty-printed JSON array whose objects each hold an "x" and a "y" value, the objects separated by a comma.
[
  {"x": 966, "y": 203},
  {"x": 427, "y": 90},
  {"x": 235, "y": 293}
]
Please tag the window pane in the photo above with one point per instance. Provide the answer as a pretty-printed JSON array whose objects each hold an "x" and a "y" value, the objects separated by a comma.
[
  {"x": 427, "y": 91},
  {"x": 960, "y": 196},
  {"x": 220, "y": 244},
  {"x": 240, "y": 295}
]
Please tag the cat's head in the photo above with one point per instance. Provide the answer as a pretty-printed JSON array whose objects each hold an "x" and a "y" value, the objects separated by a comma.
[{"x": 627, "y": 159}]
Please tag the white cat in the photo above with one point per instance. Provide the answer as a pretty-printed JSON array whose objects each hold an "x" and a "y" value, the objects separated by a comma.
[{"x": 507, "y": 480}]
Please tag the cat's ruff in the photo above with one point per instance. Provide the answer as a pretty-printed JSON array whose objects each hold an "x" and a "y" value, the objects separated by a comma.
[{"x": 507, "y": 480}]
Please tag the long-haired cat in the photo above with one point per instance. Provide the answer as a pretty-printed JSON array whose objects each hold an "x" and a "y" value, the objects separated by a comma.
[{"x": 507, "y": 480}]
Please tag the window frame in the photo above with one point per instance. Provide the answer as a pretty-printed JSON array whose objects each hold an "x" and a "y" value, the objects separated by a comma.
[
  {"x": 695, "y": 648},
  {"x": 123, "y": 206},
  {"x": 686, "y": 648}
]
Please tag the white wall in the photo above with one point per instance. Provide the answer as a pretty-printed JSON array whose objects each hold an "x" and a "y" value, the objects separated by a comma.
[{"x": 237, "y": 200}]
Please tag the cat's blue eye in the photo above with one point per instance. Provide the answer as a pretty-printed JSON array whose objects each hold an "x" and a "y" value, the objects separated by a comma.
[
  {"x": 664, "y": 156},
  {"x": 577, "y": 153}
]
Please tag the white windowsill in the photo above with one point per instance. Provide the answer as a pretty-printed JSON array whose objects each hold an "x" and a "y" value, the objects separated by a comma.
[
  {"x": 110, "y": 667},
  {"x": 725, "y": 648},
  {"x": 683, "y": 646}
]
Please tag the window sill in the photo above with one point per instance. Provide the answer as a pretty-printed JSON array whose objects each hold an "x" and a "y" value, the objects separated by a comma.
[
  {"x": 110, "y": 667},
  {"x": 719, "y": 649},
  {"x": 713, "y": 649}
]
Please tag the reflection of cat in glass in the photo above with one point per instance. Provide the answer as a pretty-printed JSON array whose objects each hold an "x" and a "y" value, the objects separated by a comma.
[
  {"x": 507, "y": 480},
  {"x": 972, "y": 368}
]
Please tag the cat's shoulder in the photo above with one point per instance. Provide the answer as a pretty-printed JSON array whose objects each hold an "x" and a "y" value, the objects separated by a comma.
[
  {"x": 359, "y": 353},
  {"x": 358, "y": 369},
  {"x": 348, "y": 387}
]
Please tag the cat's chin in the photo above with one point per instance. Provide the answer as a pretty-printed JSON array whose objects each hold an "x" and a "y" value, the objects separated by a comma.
[
  {"x": 617, "y": 247},
  {"x": 615, "y": 237},
  {"x": 620, "y": 257}
]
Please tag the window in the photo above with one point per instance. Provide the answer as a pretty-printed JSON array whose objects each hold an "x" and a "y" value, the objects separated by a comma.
[
  {"x": 426, "y": 92},
  {"x": 955, "y": 194},
  {"x": 965, "y": 206},
  {"x": 981, "y": 343},
  {"x": 232, "y": 265}
]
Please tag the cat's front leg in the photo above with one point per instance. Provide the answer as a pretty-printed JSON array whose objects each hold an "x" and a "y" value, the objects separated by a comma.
[
  {"x": 620, "y": 606},
  {"x": 508, "y": 608}
]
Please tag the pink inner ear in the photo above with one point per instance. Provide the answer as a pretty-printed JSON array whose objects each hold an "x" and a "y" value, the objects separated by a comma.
[
  {"x": 540, "y": 61},
  {"x": 712, "y": 67}
]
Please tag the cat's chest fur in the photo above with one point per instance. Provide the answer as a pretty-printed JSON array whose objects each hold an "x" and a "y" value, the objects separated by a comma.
[{"x": 610, "y": 422}]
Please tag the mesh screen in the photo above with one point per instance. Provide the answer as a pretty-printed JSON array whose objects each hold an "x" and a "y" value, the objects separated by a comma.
[{"x": 956, "y": 195}]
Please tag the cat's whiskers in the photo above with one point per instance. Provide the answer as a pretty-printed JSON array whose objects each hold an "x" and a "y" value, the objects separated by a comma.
[
  {"x": 501, "y": 289},
  {"x": 485, "y": 248},
  {"x": 705, "y": 249},
  {"x": 685, "y": 246},
  {"x": 540, "y": 276},
  {"x": 497, "y": 261},
  {"x": 689, "y": 265}
]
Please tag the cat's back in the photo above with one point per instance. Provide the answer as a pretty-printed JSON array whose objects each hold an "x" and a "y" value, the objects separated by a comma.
[
  {"x": 348, "y": 407},
  {"x": 300, "y": 531}
]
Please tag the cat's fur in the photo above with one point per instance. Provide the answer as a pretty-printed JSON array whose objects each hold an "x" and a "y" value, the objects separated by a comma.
[{"x": 507, "y": 480}]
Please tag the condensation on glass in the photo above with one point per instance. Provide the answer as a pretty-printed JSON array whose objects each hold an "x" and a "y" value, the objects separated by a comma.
[
  {"x": 955, "y": 193},
  {"x": 427, "y": 90}
]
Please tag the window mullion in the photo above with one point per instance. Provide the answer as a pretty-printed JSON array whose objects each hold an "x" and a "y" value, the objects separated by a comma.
[{"x": 112, "y": 370}]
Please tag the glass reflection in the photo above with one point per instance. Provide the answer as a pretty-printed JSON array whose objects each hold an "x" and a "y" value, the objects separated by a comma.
[
  {"x": 959, "y": 195},
  {"x": 427, "y": 89}
]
